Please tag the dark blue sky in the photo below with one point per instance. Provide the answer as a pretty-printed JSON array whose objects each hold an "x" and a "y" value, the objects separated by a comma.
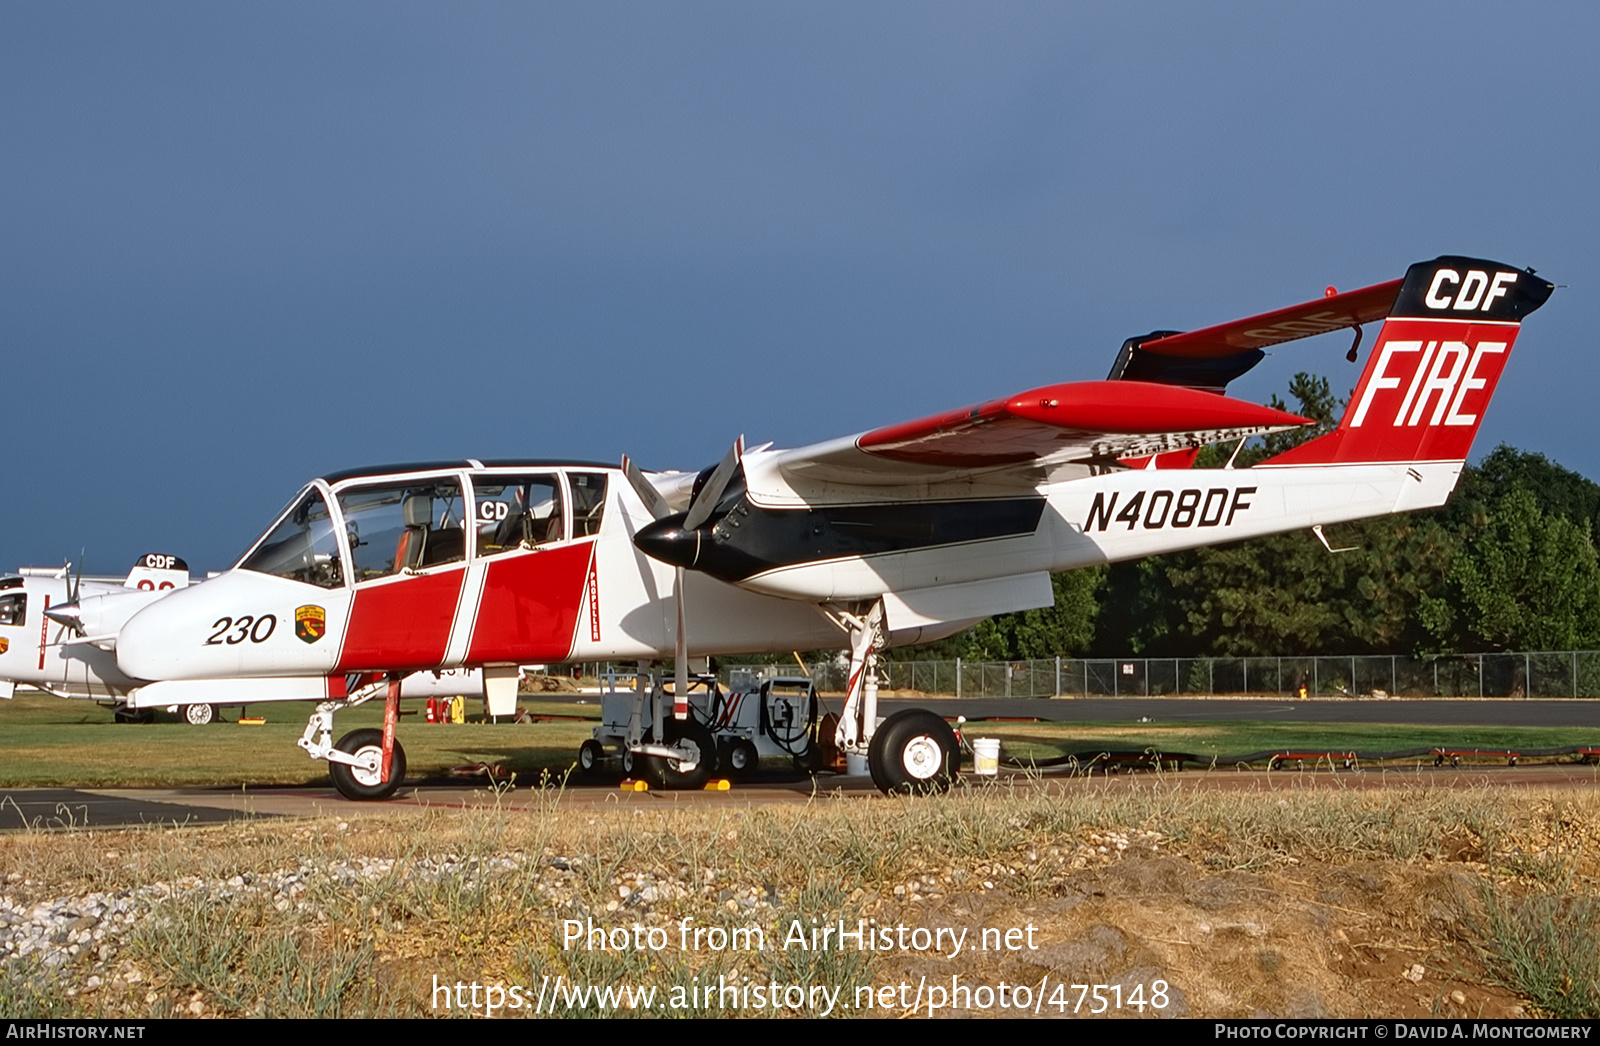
[{"x": 245, "y": 244}]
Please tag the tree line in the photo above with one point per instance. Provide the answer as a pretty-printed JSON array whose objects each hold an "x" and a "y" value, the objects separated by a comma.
[{"x": 1508, "y": 563}]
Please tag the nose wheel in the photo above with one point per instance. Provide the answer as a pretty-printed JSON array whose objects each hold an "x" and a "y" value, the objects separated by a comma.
[
  {"x": 356, "y": 762},
  {"x": 364, "y": 779}
]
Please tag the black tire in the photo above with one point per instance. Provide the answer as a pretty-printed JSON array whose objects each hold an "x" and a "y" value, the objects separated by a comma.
[
  {"x": 360, "y": 784},
  {"x": 914, "y": 751},
  {"x": 809, "y": 761},
  {"x": 669, "y": 773},
  {"x": 739, "y": 759},
  {"x": 200, "y": 715},
  {"x": 124, "y": 714},
  {"x": 591, "y": 756}
]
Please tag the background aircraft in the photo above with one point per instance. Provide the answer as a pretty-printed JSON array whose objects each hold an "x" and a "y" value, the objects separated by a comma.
[
  {"x": 895, "y": 535},
  {"x": 69, "y": 654}
]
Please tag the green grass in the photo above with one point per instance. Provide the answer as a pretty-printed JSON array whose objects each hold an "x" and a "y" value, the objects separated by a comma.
[
  {"x": 1049, "y": 741},
  {"x": 1542, "y": 946},
  {"x": 49, "y": 742}
]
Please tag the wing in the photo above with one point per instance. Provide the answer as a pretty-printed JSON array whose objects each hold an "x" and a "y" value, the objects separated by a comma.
[
  {"x": 1089, "y": 421},
  {"x": 1164, "y": 395},
  {"x": 1010, "y": 445}
]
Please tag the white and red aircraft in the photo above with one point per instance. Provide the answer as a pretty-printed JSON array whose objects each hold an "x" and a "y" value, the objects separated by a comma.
[{"x": 897, "y": 535}]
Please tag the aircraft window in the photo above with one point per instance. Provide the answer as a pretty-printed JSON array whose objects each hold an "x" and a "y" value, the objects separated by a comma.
[
  {"x": 517, "y": 512},
  {"x": 403, "y": 526},
  {"x": 302, "y": 547},
  {"x": 14, "y": 609},
  {"x": 588, "y": 502}
]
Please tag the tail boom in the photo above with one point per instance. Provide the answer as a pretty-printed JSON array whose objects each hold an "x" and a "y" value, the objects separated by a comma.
[{"x": 1132, "y": 514}]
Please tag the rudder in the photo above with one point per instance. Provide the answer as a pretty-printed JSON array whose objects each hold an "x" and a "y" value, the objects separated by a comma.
[{"x": 1434, "y": 367}]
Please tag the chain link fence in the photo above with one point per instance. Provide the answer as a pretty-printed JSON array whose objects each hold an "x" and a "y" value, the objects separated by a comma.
[{"x": 1541, "y": 674}]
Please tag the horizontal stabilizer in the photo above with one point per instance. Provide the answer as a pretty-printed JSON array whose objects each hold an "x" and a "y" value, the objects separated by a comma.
[
  {"x": 1213, "y": 356},
  {"x": 1306, "y": 320}
]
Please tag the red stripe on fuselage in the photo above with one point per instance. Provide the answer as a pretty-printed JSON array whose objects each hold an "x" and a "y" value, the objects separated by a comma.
[
  {"x": 402, "y": 623},
  {"x": 530, "y": 605}
]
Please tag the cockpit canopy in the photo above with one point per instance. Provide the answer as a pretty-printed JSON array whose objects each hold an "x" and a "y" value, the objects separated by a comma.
[{"x": 366, "y": 526}]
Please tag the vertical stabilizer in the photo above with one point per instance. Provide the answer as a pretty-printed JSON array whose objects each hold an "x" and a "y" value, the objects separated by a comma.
[{"x": 1434, "y": 367}]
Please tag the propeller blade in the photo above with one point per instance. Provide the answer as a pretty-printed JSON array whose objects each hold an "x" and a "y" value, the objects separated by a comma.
[
  {"x": 705, "y": 502},
  {"x": 645, "y": 489},
  {"x": 680, "y": 661}
]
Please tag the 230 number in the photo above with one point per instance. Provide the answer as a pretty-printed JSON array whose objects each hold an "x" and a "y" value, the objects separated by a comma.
[{"x": 233, "y": 632}]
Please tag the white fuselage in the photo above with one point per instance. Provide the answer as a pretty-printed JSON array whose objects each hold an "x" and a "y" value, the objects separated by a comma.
[{"x": 596, "y": 596}]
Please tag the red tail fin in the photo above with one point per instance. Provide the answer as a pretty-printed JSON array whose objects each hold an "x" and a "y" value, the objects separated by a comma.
[{"x": 1434, "y": 367}]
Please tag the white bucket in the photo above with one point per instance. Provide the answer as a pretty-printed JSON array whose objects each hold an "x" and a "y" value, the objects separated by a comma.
[{"x": 986, "y": 756}]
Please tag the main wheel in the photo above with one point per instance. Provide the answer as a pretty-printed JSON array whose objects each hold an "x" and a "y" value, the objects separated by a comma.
[
  {"x": 914, "y": 751},
  {"x": 670, "y": 773},
  {"x": 355, "y": 782},
  {"x": 590, "y": 756},
  {"x": 740, "y": 759},
  {"x": 200, "y": 715}
]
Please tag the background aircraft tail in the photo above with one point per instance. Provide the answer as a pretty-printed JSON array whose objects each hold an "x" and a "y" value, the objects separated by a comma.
[
  {"x": 156, "y": 571},
  {"x": 1433, "y": 368}
]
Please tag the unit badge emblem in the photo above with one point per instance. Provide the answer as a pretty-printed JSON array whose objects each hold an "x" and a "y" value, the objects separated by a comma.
[
  {"x": 310, "y": 623},
  {"x": 5, "y": 644}
]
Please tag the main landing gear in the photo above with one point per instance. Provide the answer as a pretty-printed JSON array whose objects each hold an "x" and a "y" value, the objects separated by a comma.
[
  {"x": 911, "y": 751},
  {"x": 914, "y": 751}
]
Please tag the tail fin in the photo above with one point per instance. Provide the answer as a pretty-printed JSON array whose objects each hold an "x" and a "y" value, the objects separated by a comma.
[
  {"x": 155, "y": 571},
  {"x": 1434, "y": 367}
]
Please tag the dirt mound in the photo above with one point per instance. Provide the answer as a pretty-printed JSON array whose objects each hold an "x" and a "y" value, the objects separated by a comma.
[{"x": 1376, "y": 939}]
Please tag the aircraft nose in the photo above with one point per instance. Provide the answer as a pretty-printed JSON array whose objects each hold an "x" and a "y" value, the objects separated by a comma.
[{"x": 666, "y": 540}]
